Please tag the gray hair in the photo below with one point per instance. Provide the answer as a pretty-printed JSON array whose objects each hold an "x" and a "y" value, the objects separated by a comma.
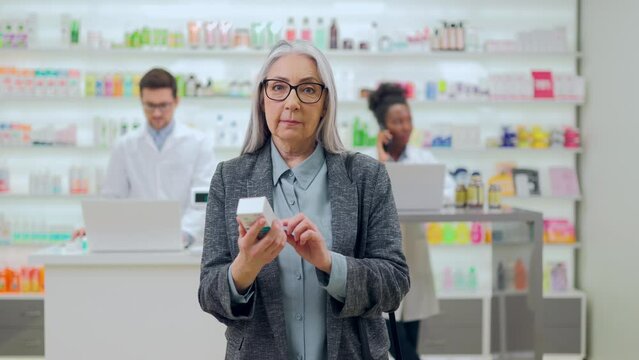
[{"x": 258, "y": 132}]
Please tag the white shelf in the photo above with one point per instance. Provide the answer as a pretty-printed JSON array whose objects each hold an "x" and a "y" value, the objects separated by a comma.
[
  {"x": 542, "y": 198},
  {"x": 493, "y": 151},
  {"x": 55, "y": 148},
  {"x": 202, "y": 52},
  {"x": 62, "y": 197},
  {"x": 21, "y": 296},
  {"x": 230, "y": 100},
  {"x": 576, "y": 245}
]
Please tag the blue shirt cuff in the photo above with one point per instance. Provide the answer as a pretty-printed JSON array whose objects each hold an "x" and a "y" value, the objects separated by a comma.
[
  {"x": 335, "y": 282},
  {"x": 236, "y": 297}
]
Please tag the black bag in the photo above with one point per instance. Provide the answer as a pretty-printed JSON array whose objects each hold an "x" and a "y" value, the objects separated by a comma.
[{"x": 360, "y": 250}]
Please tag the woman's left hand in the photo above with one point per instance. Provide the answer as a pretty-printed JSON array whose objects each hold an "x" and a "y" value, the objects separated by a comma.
[{"x": 308, "y": 241}]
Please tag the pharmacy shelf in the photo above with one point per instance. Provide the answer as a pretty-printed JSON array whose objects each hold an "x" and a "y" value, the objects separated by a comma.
[
  {"x": 576, "y": 245},
  {"x": 541, "y": 198},
  {"x": 494, "y": 151},
  {"x": 237, "y": 149},
  {"x": 245, "y": 101},
  {"x": 85, "y": 148},
  {"x": 451, "y": 295},
  {"x": 21, "y": 296},
  {"x": 246, "y": 52},
  {"x": 31, "y": 197}
]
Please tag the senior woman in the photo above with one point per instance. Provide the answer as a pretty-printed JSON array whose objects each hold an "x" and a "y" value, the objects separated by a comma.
[{"x": 299, "y": 292}]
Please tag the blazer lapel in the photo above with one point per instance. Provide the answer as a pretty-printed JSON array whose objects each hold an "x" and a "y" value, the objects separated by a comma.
[
  {"x": 344, "y": 206},
  {"x": 268, "y": 280}
]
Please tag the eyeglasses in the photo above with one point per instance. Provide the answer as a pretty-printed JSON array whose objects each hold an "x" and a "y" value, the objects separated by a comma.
[
  {"x": 163, "y": 107},
  {"x": 279, "y": 90}
]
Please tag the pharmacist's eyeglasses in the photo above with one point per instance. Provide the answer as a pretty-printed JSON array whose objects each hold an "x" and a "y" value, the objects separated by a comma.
[
  {"x": 279, "y": 90},
  {"x": 163, "y": 107}
]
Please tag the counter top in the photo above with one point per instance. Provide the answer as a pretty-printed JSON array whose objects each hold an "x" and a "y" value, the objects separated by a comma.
[
  {"x": 505, "y": 214},
  {"x": 64, "y": 255}
]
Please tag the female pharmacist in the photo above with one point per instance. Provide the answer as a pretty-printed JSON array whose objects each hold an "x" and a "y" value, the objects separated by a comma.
[{"x": 388, "y": 104}]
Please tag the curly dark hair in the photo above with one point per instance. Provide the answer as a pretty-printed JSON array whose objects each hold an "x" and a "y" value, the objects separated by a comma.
[{"x": 386, "y": 95}]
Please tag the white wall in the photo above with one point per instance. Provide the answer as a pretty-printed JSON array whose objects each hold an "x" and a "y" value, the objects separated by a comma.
[{"x": 610, "y": 172}]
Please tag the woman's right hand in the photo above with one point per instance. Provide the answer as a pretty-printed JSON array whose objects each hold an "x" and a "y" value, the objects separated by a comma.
[
  {"x": 383, "y": 137},
  {"x": 255, "y": 253}
]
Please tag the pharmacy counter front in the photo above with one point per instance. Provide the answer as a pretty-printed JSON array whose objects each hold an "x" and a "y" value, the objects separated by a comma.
[{"x": 126, "y": 306}]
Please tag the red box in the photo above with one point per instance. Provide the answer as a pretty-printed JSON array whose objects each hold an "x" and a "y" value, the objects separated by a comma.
[{"x": 544, "y": 86}]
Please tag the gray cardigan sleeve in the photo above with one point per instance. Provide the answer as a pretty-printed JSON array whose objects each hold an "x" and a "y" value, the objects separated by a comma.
[
  {"x": 214, "y": 293},
  {"x": 379, "y": 281}
]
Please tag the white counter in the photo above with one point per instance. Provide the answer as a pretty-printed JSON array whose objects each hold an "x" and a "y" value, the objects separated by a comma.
[{"x": 126, "y": 306}]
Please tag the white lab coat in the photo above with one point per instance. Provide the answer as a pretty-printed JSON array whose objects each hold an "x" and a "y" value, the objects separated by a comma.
[
  {"x": 421, "y": 301},
  {"x": 137, "y": 169}
]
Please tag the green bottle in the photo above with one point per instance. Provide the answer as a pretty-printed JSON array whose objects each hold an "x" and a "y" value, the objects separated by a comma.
[
  {"x": 75, "y": 31},
  {"x": 146, "y": 36}
]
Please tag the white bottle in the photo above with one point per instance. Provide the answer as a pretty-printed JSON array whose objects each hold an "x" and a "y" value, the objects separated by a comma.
[
  {"x": 443, "y": 37},
  {"x": 374, "y": 38},
  {"x": 219, "y": 132}
]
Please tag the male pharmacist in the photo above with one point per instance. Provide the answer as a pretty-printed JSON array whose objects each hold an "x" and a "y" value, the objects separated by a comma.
[{"x": 164, "y": 159}]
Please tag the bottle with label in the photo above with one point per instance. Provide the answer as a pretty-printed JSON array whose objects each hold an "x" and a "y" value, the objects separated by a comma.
[
  {"x": 494, "y": 197},
  {"x": 463, "y": 233},
  {"x": 461, "y": 176},
  {"x": 334, "y": 35},
  {"x": 450, "y": 235},
  {"x": 307, "y": 33},
  {"x": 472, "y": 279},
  {"x": 319, "y": 39},
  {"x": 521, "y": 275},
  {"x": 461, "y": 37},
  {"x": 476, "y": 233},
  {"x": 220, "y": 134},
  {"x": 75, "y": 32},
  {"x": 374, "y": 37},
  {"x": 290, "y": 30},
  {"x": 501, "y": 277},
  {"x": 475, "y": 192}
]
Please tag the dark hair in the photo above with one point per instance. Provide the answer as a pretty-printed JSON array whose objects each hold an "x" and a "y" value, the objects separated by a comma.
[
  {"x": 158, "y": 79},
  {"x": 380, "y": 100}
]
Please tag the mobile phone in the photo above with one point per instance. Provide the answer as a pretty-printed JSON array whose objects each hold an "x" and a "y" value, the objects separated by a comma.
[{"x": 387, "y": 145}]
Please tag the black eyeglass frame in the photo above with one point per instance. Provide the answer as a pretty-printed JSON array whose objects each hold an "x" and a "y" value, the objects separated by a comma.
[{"x": 291, "y": 88}]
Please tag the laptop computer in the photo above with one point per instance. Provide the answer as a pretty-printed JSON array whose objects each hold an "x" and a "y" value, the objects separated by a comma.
[
  {"x": 126, "y": 225},
  {"x": 417, "y": 186}
]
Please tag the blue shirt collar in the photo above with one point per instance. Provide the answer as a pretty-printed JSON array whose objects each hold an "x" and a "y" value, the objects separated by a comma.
[
  {"x": 305, "y": 172},
  {"x": 160, "y": 136}
]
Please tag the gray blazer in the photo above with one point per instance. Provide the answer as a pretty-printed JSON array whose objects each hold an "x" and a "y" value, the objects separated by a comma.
[{"x": 375, "y": 284}]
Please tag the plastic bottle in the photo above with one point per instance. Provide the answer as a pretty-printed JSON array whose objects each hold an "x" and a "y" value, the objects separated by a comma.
[
  {"x": 461, "y": 192},
  {"x": 75, "y": 31},
  {"x": 460, "y": 279},
  {"x": 501, "y": 277},
  {"x": 374, "y": 37},
  {"x": 521, "y": 275},
  {"x": 494, "y": 197},
  {"x": 461, "y": 37},
  {"x": 307, "y": 33},
  {"x": 472, "y": 279},
  {"x": 475, "y": 192},
  {"x": 463, "y": 233},
  {"x": 434, "y": 233},
  {"x": 220, "y": 135},
  {"x": 319, "y": 39},
  {"x": 447, "y": 280},
  {"x": 449, "y": 234},
  {"x": 290, "y": 30},
  {"x": 334, "y": 35},
  {"x": 476, "y": 233}
]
